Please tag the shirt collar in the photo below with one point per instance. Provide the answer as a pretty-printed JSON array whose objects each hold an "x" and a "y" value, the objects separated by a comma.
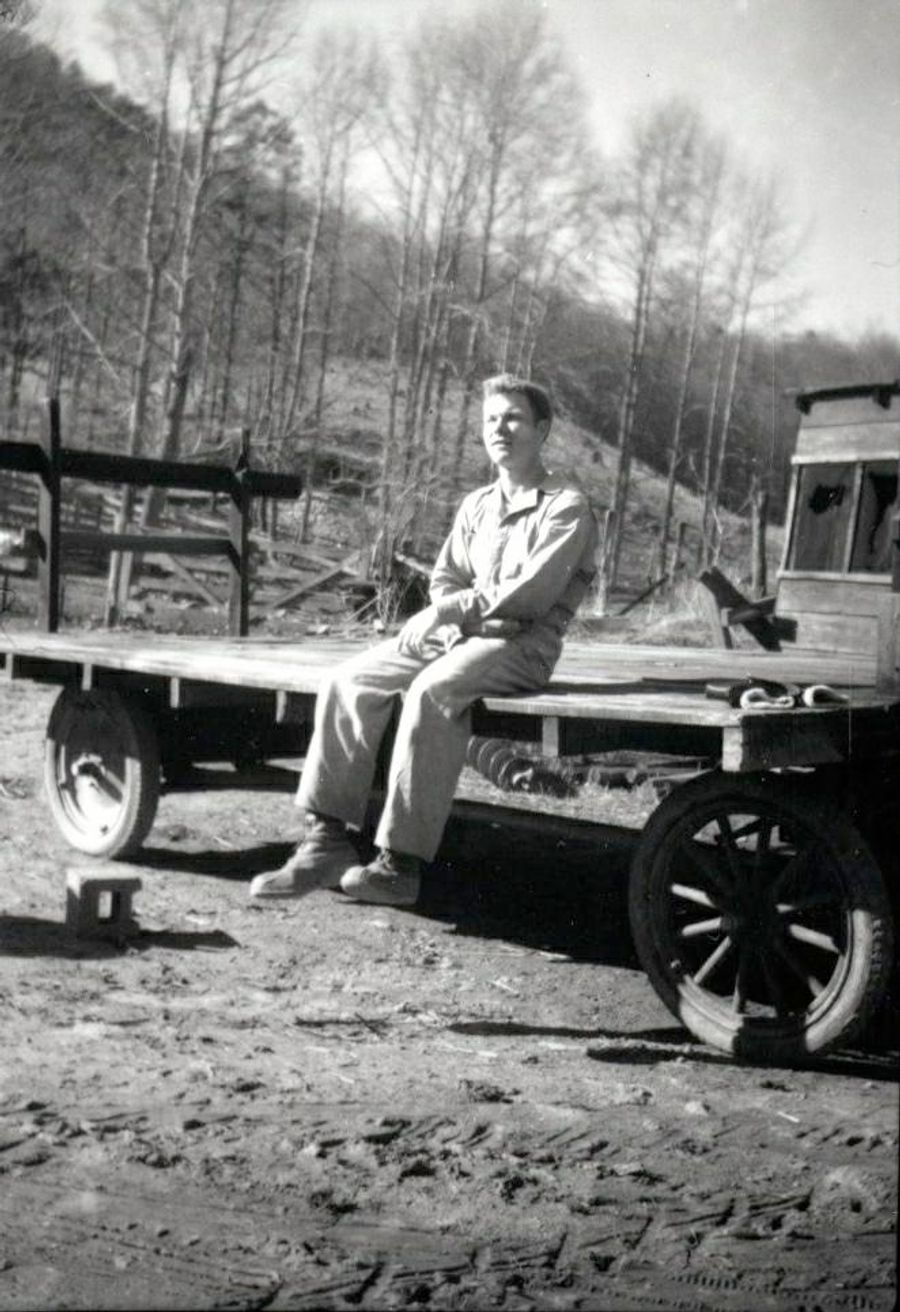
[{"x": 528, "y": 500}]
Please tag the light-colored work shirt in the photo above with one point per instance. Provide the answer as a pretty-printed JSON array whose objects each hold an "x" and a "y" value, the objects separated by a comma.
[{"x": 529, "y": 559}]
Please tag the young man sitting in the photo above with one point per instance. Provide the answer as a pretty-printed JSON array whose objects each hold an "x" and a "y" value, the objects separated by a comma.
[{"x": 508, "y": 579}]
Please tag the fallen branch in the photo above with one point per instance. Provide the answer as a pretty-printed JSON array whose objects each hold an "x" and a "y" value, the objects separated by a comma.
[{"x": 313, "y": 584}]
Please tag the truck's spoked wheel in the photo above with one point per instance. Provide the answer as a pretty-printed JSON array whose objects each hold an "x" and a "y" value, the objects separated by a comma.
[
  {"x": 760, "y": 916},
  {"x": 101, "y": 768}
]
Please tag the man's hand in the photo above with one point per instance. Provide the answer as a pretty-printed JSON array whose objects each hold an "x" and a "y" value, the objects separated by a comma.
[{"x": 417, "y": 630}]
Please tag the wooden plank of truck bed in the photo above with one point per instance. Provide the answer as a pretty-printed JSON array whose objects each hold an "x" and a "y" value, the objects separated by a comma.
[{"x": 601, "y": 697}]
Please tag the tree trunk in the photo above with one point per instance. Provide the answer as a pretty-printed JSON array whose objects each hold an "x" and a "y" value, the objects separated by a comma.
[
  {"x": 278, "y": 285},
  {"x": 388, "y": 451},
  {"x": 234, "y": 304},
  {"x": 304, "y": 301},
  {"x": 627, "y": 410},
  {"x": 759, "y": 509},
  {"x": 470, "y": 358},
  {"x": 730, "y": 393},
  {"x": 121, "y": 563},
  {"x": 687, "y": 365},
  {"x": 337, "y": 251},
  {"x": 708, "y": 442}
]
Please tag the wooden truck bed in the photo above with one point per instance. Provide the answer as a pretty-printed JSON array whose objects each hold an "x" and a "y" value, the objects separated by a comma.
[{"x": 601, "y": 697}]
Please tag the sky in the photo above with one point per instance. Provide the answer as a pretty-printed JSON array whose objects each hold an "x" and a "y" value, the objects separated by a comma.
[{"x": 807, "y": 89}]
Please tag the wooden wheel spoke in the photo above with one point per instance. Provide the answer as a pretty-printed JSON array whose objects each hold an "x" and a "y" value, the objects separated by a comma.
[
  {"x": 729, "y": 847},
  {"x": 701, "y": 927},
  {"x": 795, "y": 869},
  {"x": 691, "y": 894},
  {"x": 823, "y": 898},
  {"x": 802, "y": 975},
  {"x": 758, "y": 825},
  {"x": 803, "y": 934},
  {"x": 715, "y": 957},
  {"x": 704, "y": 861},
  {"x": 764, "y": 845}
]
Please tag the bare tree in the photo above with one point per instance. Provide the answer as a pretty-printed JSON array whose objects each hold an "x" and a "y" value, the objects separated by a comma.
[
  {"x": 276, "y": 281},
  {"x": 329, "y": 313},
  {"x": 646, "y": 213},
  {"x": 521, "y": 83},
  {"x": 341, "y": 83},
  {"x": 702, "y": 216},
  {"x": 231, "y": 46},
  {"x": 29, "y": 114},
  {"x": 764, "y": 244},
  {"x": 200, "y": 64},
  {"x": 432, "y": 171},
  {"x": 253, "y": 157},
  {"x": 156, "y": 247}
]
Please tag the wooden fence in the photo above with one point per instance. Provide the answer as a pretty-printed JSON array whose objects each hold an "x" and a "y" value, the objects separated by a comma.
[{"x": 58, "y": 526}]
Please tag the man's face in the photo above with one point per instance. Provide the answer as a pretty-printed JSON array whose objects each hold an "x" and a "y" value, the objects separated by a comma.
[{"x": 512, "y": 436}]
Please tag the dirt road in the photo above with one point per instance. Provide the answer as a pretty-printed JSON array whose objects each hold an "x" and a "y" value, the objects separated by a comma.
[{"x": 324, "y": 1105}]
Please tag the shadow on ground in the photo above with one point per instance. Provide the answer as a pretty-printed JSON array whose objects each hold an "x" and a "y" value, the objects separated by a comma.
[
  {"x": 30, "y": 936},
  {"x": 564, "y": 891},
  {"x": 560, "y": 887},
  {"x": 238, "y": 865}
]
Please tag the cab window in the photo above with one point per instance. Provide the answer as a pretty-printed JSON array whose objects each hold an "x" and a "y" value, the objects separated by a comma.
[
  {"x": 822, "y": 517},
  {"x": 837, "y": 500},
  {"x": 877, "y": 503}
]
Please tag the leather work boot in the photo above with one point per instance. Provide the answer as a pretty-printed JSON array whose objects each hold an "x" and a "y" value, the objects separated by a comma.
[
  {"x": 320, "y": 860},
  {"x": 393, "y": 879}
]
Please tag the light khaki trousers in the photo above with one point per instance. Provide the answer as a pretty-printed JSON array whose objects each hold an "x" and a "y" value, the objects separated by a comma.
[{"x": 354, "y": 707}]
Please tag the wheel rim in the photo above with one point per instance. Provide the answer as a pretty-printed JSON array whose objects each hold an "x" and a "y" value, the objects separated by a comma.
[
  {"x": 757, "y": 927},
  {"x": 91, "y": 763}
]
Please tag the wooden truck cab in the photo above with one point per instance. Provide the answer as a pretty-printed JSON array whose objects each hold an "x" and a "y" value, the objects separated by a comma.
[
  {"x": 837, "y": 578},
  {"x": 838, "y": 590}
]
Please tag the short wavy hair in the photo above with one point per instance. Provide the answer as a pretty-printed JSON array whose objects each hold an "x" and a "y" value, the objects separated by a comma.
[{"x": 538, "y": 397}]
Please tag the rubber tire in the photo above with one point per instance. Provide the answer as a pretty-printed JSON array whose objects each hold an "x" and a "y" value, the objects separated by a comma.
[
  {"x": 864, "y": 975},
  {"x": 118, "y": 730}
]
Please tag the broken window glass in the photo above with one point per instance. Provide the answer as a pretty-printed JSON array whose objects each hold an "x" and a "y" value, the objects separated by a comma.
[{"x": 822, "y": 518}]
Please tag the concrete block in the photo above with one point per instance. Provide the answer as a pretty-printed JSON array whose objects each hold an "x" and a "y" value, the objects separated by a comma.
[{"x": 99, "y": 904}]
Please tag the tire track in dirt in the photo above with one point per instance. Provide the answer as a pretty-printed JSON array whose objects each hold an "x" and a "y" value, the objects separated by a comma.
[
  {"x": 54, "y": 1237},
  {"x": 631, "y": 1231}
]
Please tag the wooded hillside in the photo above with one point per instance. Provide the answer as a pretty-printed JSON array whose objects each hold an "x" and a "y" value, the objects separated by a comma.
[{"x": 268, "y": 210}]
